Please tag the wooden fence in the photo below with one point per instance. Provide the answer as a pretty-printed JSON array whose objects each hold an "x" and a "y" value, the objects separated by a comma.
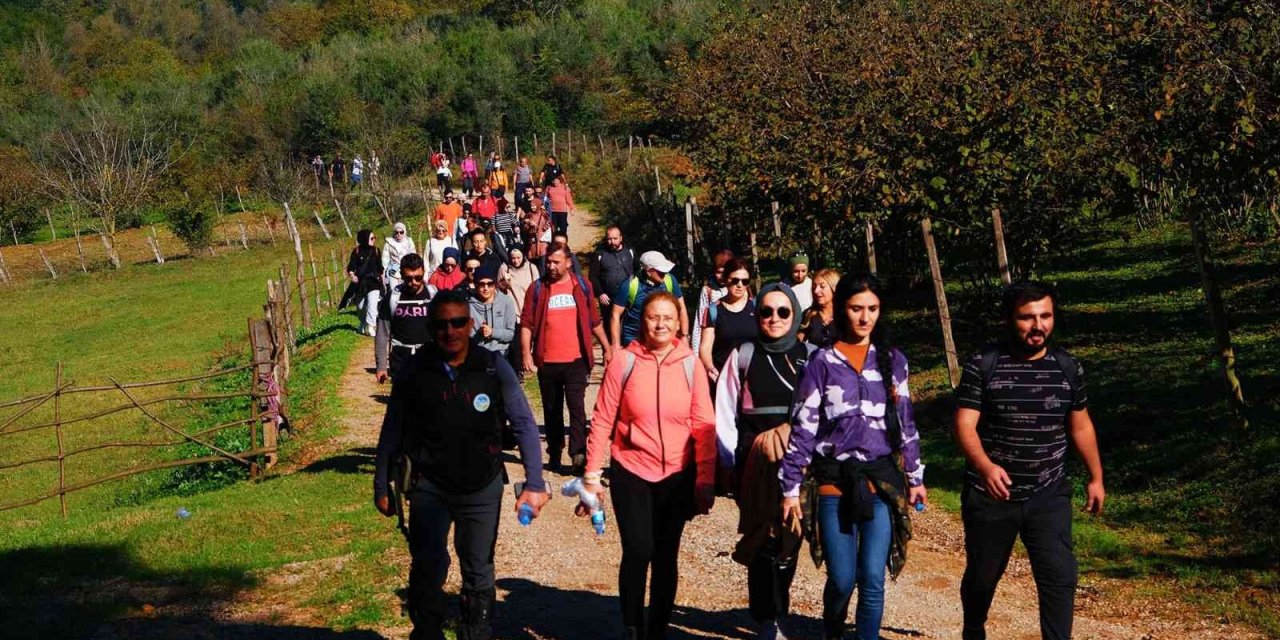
[{"x": 303, "y": 291}]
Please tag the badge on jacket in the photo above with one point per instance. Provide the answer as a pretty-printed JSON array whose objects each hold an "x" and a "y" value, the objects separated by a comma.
[{"x": 481, "y": 402}]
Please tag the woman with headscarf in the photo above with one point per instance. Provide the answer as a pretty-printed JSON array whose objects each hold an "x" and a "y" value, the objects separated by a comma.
[
  {"x": 854, "y": 431},
  {"x": 364, "y": 270},
  {"x": 819, "y": 326},
  {"x": 441, "y": 239},
  {"x": 399, "y": 245},
  {"x": 753, "y": 403}
]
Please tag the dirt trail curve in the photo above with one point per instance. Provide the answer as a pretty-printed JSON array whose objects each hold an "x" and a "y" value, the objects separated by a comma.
[{"x": 556, "y": 579}]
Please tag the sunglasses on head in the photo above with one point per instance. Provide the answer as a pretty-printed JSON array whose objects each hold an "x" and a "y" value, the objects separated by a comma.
[
  {"x": 457, "y": 322},
  {"x": 767, "y": 312},
  {"x": 742, "y": 281}
]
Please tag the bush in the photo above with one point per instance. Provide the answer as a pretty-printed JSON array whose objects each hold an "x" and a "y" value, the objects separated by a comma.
[{"x": 192, "y": 221}]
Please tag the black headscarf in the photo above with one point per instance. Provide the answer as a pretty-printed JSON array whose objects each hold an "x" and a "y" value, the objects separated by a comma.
[{"x": 786, "y": 342}]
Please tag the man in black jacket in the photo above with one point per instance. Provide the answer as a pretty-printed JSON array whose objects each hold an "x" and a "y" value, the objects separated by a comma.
[
  {"x": 611, "y": 265},
  {"x": 444, "y": 420}
]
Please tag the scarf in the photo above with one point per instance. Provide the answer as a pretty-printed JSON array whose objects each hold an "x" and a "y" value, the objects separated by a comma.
[{"x": 786, "y": 342}]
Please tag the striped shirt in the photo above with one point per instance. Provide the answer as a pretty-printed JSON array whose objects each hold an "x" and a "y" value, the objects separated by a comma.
[{"x": 1024, "y": 418}]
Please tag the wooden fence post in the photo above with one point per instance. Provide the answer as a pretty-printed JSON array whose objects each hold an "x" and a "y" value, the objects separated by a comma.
[
  {"x": 57, "y": 425},
  {"x": 657, "y": 179},
  {"x": 320, "y": 221},
  {"x": 244, "y": 237},
  {"x": 286, "y": 299},
  {"x": 48, "y": 265},
  {"x": 299, "y": 271},
  {"x": 52, "y": 230},
  {"x": 777, "y": 222},
  {"x": 1002, "y": 258},
  {"x": 553, "y": 144},
  {"x": 270, "y": 231},
  {"x": 328, "y": 281},
  {"x": 755, "y": 259},
  {"x": 4, "y": 270},
  {"x": 871, "y": 247},
  {"x": 940, "y": 293},
  {"x": 315, "y": 278},
  {"x": 688, "y": 235},
  {"x": 343, "y": 216},
  {"x": 241, "y": 200}
]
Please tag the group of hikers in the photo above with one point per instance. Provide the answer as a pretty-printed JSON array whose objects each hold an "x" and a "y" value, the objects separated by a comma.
[
  {"x": 791, "y": 400},
  {"x": 335, "y": 172}
]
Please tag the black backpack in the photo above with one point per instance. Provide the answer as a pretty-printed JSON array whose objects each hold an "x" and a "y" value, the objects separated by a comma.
[{"x": 1066, "y": 362}]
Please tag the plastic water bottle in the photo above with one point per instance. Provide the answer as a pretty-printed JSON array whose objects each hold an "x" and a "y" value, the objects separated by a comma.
[
  {"x": 575, "y": 488},
  {"x": 525, "y": 515},
  {"x": 183, "y": 514},
  {"x": 919, "y": 507}
]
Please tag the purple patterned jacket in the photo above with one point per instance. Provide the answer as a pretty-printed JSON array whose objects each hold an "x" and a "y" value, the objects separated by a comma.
[{"x": 839, "y": 413}]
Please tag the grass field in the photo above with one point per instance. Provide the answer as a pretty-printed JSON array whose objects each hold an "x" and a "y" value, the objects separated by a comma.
[
  {"x": 1192, "y": 499},
  {"x": 140, "y": 323}
]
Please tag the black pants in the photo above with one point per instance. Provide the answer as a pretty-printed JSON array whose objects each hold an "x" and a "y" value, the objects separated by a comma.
[
  {"x": 769, "y": 583},
  {"x": 651, "y": 518},
  {"x": 561, "y": 383},
  {"x": 475, "y": 516},
  {"x": 560, "y": 221},
  {"x": 990, "y": 527},
  {"x": 398, "y": 357}
]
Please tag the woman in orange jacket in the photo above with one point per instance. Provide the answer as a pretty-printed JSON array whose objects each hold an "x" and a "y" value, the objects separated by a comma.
[{"x": 654, "y": 418}]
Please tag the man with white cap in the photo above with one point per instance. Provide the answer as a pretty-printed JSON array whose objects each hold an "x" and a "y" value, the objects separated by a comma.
[
  {"x": 629, "y": 300},
  {"x": 399, "y": 245}
]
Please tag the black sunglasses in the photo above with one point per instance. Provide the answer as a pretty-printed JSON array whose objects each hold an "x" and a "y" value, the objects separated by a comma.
[
  {"x": 767, "y": 312},
  {"x": 458, "y": 322},
  {"x": 486, "y": 283},
  {"x": 742, "y": 281},
  {"x": 417, "y": 278}
]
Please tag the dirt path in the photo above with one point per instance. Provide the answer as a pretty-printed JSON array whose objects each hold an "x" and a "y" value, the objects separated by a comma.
[{"x": 557, "y": 579}]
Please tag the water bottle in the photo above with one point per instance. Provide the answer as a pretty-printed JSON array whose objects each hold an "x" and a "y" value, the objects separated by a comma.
[
  {"x": 920, "y": 507},
  {"x": 525, "y": 515},
  {"x": 183, "y": 514},
  {"x": 575, "y": 488}
]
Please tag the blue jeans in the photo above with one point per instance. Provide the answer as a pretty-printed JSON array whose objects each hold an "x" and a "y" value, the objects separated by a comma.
[{"x": 856, "y": 553}]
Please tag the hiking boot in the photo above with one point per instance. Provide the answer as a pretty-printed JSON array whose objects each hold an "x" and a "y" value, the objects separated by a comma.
[{"x": 553, "y": 460}]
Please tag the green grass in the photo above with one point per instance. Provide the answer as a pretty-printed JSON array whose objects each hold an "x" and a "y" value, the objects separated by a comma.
[
  {"x": 105, "y": 566},
  {"x": 1192, "y": 499}
]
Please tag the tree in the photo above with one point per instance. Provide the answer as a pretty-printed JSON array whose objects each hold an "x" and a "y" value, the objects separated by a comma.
[{"x": 106, "y": 164}]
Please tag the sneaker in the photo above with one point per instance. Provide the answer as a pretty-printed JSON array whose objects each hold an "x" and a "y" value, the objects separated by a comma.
[
  {"x": 769, "y": 631},
  {"x": 579, "y": 465},
  {"x": 553, "y": 460}
]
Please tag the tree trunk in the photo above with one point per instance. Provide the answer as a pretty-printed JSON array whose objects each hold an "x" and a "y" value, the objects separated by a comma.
[
  {"x": 1219, "y": 322},
  {"x": 1002, "y": 257},
  {"x": 110, "y": 245},
  {"x": 871, "y": 247}
]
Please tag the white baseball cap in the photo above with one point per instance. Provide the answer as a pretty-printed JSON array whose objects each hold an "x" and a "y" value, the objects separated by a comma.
[{"x": 655, "y": 260}]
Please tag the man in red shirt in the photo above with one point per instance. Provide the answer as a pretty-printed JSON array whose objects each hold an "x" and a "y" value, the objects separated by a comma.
[
  {"x": 559, "y": 319},
  {"x": 486, "y": 206}
]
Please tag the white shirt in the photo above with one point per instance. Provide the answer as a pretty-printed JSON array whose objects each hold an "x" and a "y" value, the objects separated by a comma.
[
  {"x": 435, "y": 251},
  {"x": 804, "y": 294},
  {"x": 393, "y": 251}
]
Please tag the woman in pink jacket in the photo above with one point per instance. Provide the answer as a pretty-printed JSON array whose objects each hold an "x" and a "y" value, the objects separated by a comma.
[{"x": 655, "y": 420}]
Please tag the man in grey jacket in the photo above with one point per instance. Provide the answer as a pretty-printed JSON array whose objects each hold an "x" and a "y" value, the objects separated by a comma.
[{"x": 493, "y": 313}]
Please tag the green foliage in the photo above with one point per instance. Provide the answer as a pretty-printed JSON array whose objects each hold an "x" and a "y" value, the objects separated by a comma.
[{"x": 192, "y": 221}]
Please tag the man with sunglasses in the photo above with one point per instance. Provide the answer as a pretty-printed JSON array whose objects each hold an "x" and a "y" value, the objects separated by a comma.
[
  {"x": 445, "y": 418},
  {"x": 402, "y": 319}
]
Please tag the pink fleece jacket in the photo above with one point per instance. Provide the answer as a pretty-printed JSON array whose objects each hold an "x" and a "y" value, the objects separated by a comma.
[{"x": 663, "y": 425}]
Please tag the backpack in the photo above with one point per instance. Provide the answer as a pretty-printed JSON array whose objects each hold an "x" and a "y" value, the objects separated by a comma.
[
  {"x": 746, "y": 351},
  {"x": 1066, "y": 362},
  {"x": 633, "y": 287}
]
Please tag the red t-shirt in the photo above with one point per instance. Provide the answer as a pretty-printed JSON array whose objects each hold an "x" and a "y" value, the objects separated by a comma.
[
  {"x": 485, "y": 207},
  {"x": 560, "y": 327}
]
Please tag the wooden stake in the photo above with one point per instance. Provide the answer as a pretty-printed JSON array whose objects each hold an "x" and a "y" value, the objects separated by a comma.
[
  {"x": 315, "y": 278},
  {"x": 155, "y": 249},
  {"x": 286, "y": 300},
  {"x": 241, "y": 199},
  {"x": 4, "y": 270},
  {"x": 382, "y": 208},
  {"x": 244, "y": 237},
  {"x": 600, "y": 139},
  {"x": 298, "y": 270},
  {"x": 1002, "y": 258},
  {"x": 1219, "y": 322},
  {"x": 328, "y": 282},
  {"x": 111, "y": 250},
  {"x": 871, "y": 247},
  {"x": 320, "y": 222},
  {"x": 755, "y": 259},
  {"x": 630, "y": 141},
  {"x": 14, "y": 230},
  {"x": 777, "y": 221},
  {"x": 48, "y": 265},
  {"x": 657, "y": 180},
  {"x": 940, "y": 293},
  {"x": 517, "y": 140},
  {"x": 75, "y": 228},
  {"x": 52, "y": 231},
  {"x": 688, "y": 236},
  {"x": 553, "y": 145},
  {"x": 270, "y": 231},
  {"x": 343, "y": 216},
  {"x": 57, "y": 425}
]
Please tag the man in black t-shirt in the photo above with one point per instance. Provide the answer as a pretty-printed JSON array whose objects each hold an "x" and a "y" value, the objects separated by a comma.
[
  {"x": 403, "y": 325},
  {"x": 1020, "y": 404},
  {"x": 550, "y": 171}
]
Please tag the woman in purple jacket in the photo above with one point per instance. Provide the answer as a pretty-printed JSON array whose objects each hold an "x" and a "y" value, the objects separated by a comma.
[{"x": 847, "y": 430}]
